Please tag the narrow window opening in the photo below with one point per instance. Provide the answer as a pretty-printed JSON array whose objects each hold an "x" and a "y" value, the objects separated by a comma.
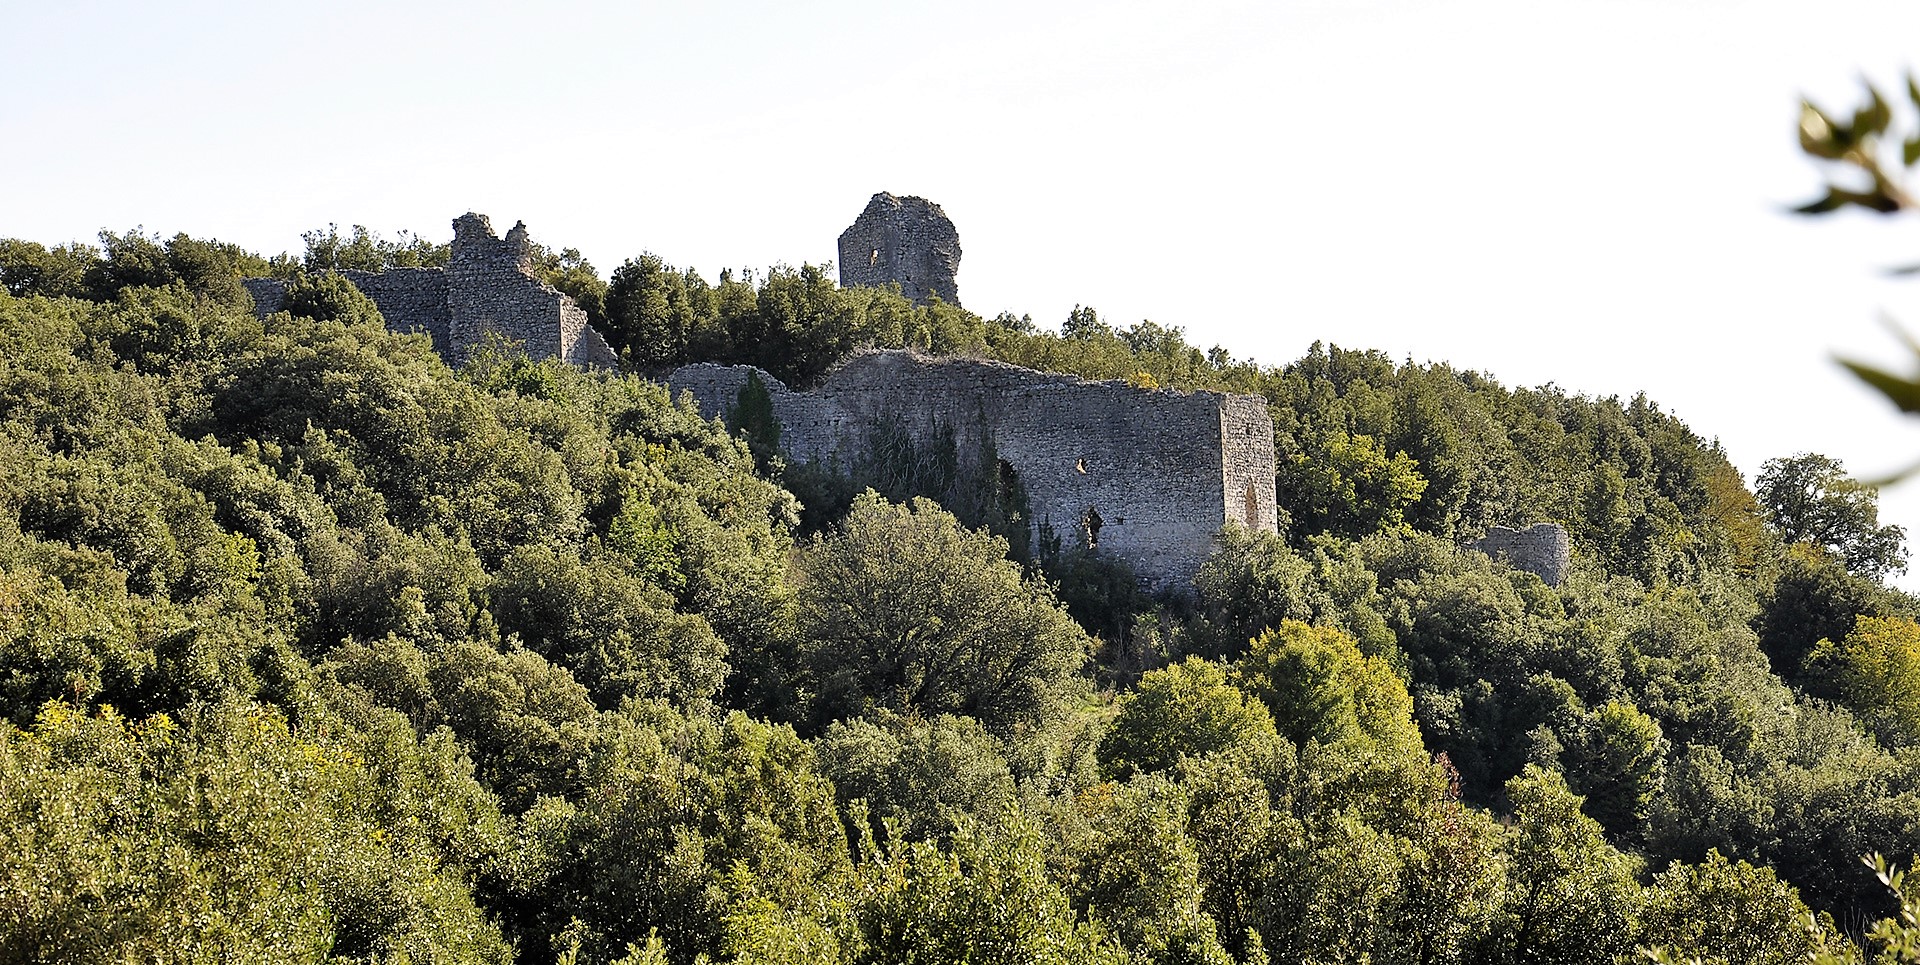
[
  {"x": 1080, "y": 466},
  {"x": 1093, "y": 523},
  {"x": 874, "y": 258}
]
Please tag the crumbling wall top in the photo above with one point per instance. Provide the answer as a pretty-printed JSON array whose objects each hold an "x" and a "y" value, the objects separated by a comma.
[
  {"x": 470, "y": 228},
  {"x": 476, "y": 247}
]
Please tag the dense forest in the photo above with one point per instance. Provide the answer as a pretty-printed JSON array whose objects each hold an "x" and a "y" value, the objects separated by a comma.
[{"x": 314, "y": 649}]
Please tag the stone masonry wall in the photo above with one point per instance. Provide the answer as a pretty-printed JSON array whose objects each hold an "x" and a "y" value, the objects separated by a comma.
[
  {"x": 1248, "y": 463},
  {"x": 906, "y": 240},
  {"x": 1541, "y": 549},
  {"x": 491, "y": 289},
  {"x": 1161, "y": 471},
  {"x": 487, "y": 288},
  {"x": 579, "y": 343},
  {"x": 410, "y": 299},
  {"x": 269, "y": 294}
]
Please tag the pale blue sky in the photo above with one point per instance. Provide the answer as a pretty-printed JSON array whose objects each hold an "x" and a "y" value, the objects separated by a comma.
[{"x": 1587, "y": 192}]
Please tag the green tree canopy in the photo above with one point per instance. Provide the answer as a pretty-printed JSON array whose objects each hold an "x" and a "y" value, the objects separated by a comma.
[
  {"x": 1810, "y": 499},
  {"x": 367, "y": 251},
  {"x": 1189, "y": 709},
  {"x": 1722, "y": 912},
  {"x": 901, "y": 608},
  {"x": 237, "y": 832},
  {"x": 1875, "y": 669},
  {"x": 1320, "y": 687},
  {"x": 923, "y": 776}
]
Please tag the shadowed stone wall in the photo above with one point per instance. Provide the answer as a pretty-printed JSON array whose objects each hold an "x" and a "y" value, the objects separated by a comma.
[
  {"x": 487, "y": 287},
  {"x": 1541, "y": 549},
  {"x": 410, "y": 299},
  {"x": 905, "y": 240},
  {"x": 1160, "y": 471},
  {"x": 269, "y": 294}
]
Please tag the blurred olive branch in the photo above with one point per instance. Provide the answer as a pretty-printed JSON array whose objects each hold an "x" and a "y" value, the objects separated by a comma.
[{"x": 1864, "y": 170}]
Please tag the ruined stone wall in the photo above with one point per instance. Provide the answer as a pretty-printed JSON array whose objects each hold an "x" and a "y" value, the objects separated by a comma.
[
  {"x": 579, "y": 343},
  {"x": 905, "y": 240},
  {"x": 410, "y": 299},
  {"x": 1160, "y": 471},
  {"x": 1541, "y": 549},
  {"x": 487, "y": 288},
  {"x": 491, "y": 289},
  {"x": 269, "y": 294},
  {"x": 1248, "y": 462}
]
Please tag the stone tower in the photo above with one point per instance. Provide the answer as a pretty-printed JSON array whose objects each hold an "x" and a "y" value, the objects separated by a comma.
[{"x": 905, "y": 240}]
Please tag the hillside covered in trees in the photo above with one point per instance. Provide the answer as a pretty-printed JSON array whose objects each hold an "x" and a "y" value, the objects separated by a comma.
[{"x": 313, "y": 649}]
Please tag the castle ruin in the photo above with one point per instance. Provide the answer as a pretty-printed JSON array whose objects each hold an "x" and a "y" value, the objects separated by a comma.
[
  {"x": 1146, "y": 476},
  {"x": 488, "y": 288},
  {"x": 905, "y": 241}
]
